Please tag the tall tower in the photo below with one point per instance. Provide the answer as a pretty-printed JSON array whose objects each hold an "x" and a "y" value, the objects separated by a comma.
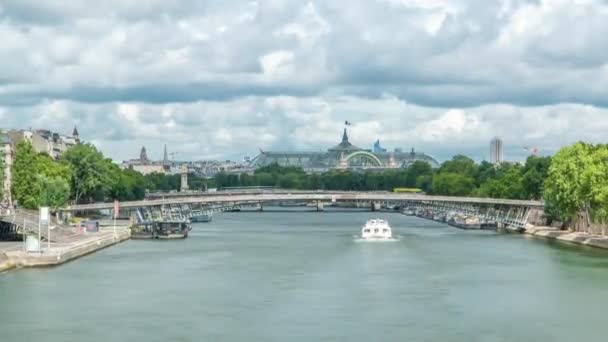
[
  {"x": 143, "y": 156},
  {"x": 166, "y": 157},
  {"x": 344, "y": 137},
  {"x": 76, "y": 136},
  {"x": 184, "y": 186},
  {"x": 496, "y": 151}
]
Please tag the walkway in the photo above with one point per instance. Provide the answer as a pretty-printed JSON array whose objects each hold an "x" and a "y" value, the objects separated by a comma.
[{"x": 305, "y": 196}]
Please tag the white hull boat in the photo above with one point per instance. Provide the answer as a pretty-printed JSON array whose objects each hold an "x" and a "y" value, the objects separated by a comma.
[{"x": 376, "y": 229}]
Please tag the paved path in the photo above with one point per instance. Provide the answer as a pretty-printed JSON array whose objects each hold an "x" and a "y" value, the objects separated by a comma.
[{"x": 60, "y": 253}]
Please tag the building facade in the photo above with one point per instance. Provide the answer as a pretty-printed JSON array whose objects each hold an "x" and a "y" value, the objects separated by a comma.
[
  {"x": 6, "y": 156},
  {"x": 496, "y": 151},
  {"x": 343, "y": 156},
  {"x": 145, "y": 166},
  {"x": 45, "y": 141}
]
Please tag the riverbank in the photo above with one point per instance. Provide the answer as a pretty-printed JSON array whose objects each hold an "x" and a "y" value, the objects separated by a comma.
[
  {"x": 61, "y": 253},
  {"x": 5, "y": 263},
  {"x": 569, "y": 236},
  {"x": 586, "y": 239}
]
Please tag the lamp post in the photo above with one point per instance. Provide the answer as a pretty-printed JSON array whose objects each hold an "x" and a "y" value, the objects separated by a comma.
[{"x": 43, "y": 218}]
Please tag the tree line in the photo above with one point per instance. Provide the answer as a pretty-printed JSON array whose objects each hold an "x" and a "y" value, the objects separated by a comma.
[
  {"x": 460, "y": 176},
  {"x": 81, "y": 175},
  {"x": 575, "y": 180}
]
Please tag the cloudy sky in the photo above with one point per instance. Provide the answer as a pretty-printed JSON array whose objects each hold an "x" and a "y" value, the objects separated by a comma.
[{"x": 222, "y": 78}]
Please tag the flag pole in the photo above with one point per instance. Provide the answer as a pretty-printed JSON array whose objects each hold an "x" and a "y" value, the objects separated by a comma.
[{"x": 115, "y": 214}]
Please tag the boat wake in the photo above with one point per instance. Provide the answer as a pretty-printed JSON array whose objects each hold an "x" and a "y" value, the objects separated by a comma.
[{"x": 358, "y": 238}]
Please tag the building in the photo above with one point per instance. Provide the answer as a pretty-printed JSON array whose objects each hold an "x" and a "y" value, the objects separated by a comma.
[
  {"x": 6, "y": 155},
  {"x": 45, "y": 141},
  {"x": 377, "y": 148},
  {"x": 145, "y": 166},
  {"x": 342, "y": 156},
  {"x": 496, "y": 151},
  {"x": 42, "y": 140}
]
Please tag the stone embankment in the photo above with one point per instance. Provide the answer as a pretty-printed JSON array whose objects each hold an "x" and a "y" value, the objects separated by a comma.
[
  {"x": 580, "y": 238},
  {"x": 5, "y": 263},
  {"x": 61, "y": 253}
]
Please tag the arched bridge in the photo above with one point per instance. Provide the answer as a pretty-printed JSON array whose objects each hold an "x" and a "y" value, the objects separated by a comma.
[{"x": 513, "y": 212}]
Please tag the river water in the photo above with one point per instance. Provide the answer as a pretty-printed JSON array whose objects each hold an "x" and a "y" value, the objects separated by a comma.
[{"x": 302, "y": 277}]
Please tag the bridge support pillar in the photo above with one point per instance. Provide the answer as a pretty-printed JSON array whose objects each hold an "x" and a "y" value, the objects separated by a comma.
[
  {"x": 261, "y": 207},
  {"x": 320, "y": 206},
  {"x": 375, "y": 206}
]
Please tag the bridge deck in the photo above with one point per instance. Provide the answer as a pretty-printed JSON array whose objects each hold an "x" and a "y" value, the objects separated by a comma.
[{"x": 305, "y": 196}]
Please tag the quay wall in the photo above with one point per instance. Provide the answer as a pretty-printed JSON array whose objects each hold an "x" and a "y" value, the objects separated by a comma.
[
  {"x": 70, "y": 253},
  {"x": 597, "y": 240},
  {"x": 5, "y": 263},
  {"x": 576, "y": 237}
]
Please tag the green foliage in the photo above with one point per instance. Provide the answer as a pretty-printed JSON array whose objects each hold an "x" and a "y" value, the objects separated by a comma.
[
  {"x": 275, "y": 168},
  {"x": 460, "y": 164},
  {"x": 38, "y": 180},
  {"x": 92, "y": 176},
  {"x": 505, "y": 183},
  {"x": 452, "y": 184},
  {"x": 425, "y": 183},
  {"x": 55, "y": 191},
  {"x": 25, "y": 170},
  {"x": 578, "y": 180},
  {"x": 128, "y": 185},
  {"x": 534, "y": 174},
  {"x": 415, "y": 171}
]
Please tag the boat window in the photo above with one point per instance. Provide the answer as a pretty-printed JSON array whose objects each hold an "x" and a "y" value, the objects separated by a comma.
[
  {"x": 366, "y": 231},
  {"x": 376, "y": 230}
]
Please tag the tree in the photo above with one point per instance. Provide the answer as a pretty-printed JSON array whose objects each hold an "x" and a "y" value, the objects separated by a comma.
[
  {"x": 417, "y": 169},
  {"x": 55, "y": 191},
  {"x": 25, "y": 185},
  {"x": 575, "y": 180},
  {"x": 425, "y": 183},
  {"x": 289, "y": 181},
  {"x": 461, "y": 165},
  {"x": 452, "y": 184},
  {"x": 91, "y": 176},
  {"x": 485, "y": 172},
  {"x": 534, "y": 175}
]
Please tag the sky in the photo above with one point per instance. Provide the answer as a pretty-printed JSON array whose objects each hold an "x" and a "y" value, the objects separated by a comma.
[{"x": 221, "y": 79}]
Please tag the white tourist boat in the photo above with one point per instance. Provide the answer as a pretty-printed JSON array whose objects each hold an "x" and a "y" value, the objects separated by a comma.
[{"x": 376, "y": 229}]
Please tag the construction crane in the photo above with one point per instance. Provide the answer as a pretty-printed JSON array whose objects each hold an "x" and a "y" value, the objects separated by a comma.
[{"x": 532, "y": 150}]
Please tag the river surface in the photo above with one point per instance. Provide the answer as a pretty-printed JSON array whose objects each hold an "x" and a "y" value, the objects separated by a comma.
[{"x": 302, "y": 277}]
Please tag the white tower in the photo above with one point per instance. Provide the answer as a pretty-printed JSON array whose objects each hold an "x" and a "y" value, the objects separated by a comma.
[{"x": 184, "y": 185}]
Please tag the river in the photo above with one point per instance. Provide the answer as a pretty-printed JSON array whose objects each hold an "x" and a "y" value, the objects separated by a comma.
[{"x": 302, "y": 277}]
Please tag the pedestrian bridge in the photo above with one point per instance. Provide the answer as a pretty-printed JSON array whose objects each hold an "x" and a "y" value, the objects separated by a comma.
[
  {"x": 309, "y": 197},
  {"x": 184, "y": 206}
]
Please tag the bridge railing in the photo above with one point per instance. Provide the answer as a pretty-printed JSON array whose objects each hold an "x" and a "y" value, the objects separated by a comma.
[
  {"x": 28, "y": 222},
  {"x": 326, "y": 196}
]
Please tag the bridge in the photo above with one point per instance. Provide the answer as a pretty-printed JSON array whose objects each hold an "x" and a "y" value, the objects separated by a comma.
[{"x": 179, "y": 207}]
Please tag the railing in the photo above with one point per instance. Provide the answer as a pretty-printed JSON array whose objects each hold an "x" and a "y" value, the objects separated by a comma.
[
  {"x": 305, "y": 196},
  {"x": 28, "y": 222}
]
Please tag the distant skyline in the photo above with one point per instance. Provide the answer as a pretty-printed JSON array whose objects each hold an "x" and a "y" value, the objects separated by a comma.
[{"x": 220, "y": 79}]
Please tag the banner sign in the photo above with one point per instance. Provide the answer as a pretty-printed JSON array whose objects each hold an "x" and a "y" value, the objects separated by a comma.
[
  {"x": 116, "y": 209},
  {"x": 44, "y": 215}
]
